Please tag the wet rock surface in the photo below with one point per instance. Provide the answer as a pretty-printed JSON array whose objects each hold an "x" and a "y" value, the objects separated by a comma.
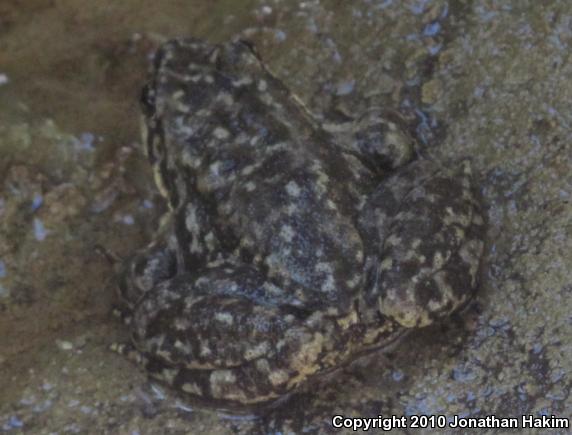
[{"x": 486, "y": 80}]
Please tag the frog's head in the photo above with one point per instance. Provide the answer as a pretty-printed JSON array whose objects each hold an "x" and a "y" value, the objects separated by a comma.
[
  {"x": 193, "y": 95},
  {"x": 186, "y": 72}
]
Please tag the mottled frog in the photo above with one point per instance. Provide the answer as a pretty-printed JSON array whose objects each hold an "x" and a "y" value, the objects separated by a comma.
[{"x": 289, "y": 249}]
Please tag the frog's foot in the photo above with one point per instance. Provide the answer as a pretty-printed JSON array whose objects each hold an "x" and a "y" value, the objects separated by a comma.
[
  {"x": 129, "y": 352},
  {"x": 122, "y": 314},
  {"x": 431, "y": 231},
  {"x": 229, "y": 337}
]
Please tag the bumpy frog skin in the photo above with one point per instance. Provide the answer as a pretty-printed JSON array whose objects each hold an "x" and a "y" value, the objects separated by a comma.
[{"x": 290, "y": 249}]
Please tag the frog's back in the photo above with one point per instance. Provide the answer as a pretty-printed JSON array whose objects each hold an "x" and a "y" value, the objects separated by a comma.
[{"x": 280, "y": 185}]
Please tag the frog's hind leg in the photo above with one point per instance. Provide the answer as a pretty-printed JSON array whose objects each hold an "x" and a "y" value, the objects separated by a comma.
[
  {"x": 230, "y": 336},
  {"x": 429, "y": 227}
]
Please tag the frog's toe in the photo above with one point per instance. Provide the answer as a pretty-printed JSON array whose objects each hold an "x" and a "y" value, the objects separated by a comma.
[
  {"x": 122, "y": 314},
  {"x": 130, "y": 352}
]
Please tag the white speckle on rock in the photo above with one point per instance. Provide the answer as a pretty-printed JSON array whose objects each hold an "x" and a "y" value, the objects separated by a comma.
[
  {"x": 13, "y": 423},
  {"x": 345, "y": 88},
  {"x": 128, "y": 219},
  {"x": 64, "y": 345},
  {"x": 279, "y": 35},
  {"x": 40, "y": 232}
]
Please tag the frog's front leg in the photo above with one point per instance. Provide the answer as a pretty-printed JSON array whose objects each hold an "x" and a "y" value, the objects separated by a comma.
[
  {"x": 142, "y": 272},
  {"x": 429, "y": 229},
  {"x": 151, "y": 265},
  {"x": 231, "y": 338},
  {"x": 185, "y": 241}
]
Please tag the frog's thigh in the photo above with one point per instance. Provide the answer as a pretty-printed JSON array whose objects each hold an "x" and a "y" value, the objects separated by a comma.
[
  {"x": 431, "y": 237},
  {"x": 228, "y": 335}
]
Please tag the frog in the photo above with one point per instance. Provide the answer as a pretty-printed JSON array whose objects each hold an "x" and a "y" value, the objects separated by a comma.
[{"x": 290, "y": 247}]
